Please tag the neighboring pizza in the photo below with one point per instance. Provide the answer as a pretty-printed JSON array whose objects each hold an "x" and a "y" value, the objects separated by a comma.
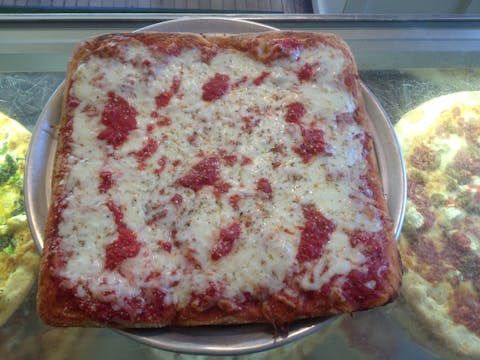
[
  {"x": 440, "y": 241},
  {"x": 18, "y": 256},
  {"x": 214, "y": 180}
]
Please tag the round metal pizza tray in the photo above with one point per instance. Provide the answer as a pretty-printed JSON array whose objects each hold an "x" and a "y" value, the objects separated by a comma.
[{"x": 216, "y": 340}]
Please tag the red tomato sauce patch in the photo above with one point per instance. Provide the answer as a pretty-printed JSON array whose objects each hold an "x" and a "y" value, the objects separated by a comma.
[
  {"x": 315, "y": 234},
  {"x": 119, "y": 119},
  {"x": 313, "y": 144},
  {"x": 295, "y": 112},
  {"x": 264, "y": 186},
  {"x": 126, "y": 244},
  {"x": 226, "y": 241},
  {"x": 216, "y": 87},
  {"x": 106, "y": 181},
  {"x": 204, "y": 173},
  {"x": 163, "y": 99}
]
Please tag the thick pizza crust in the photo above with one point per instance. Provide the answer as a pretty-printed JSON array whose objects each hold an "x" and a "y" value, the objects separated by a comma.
[
  {"x": 54, "y": 309},
  {"x": 424, "y": 305},
  {"x": 18, "y": 270}
]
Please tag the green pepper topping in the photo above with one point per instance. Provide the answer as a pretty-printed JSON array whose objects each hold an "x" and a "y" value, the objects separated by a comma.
[
  {"x": 7, "y": 242},
  {"x": 3, "y": 148},
  {"x": 19, "y": 207},
  {"x": 7, "y": 169}
]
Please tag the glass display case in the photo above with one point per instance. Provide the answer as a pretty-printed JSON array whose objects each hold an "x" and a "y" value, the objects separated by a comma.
[{"x": 403, "y": 60}]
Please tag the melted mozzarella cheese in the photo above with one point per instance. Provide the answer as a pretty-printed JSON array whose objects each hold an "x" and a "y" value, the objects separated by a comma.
[
  {"x": 339, "y": 259},
  {"x": 265, "y": 252}
]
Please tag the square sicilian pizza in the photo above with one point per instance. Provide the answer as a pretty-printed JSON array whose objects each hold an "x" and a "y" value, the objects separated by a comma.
[{"x": 214, "y": 179}]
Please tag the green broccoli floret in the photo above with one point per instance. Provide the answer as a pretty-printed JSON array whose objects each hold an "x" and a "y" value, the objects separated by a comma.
[
  {"x": 19, "y": 207},
  {"x": 17, "y": 180},
  {"x": 7, "y": 169},
  {"x": 6, "y": 242},
  {"x": 3, "y": 148}
]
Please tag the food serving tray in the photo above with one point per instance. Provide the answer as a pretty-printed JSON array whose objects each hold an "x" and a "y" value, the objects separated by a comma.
[{"x": 216, "y": 340}]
